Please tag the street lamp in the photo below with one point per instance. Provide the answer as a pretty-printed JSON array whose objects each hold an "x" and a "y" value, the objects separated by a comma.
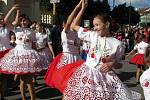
[{"x": 54, "y": 7}]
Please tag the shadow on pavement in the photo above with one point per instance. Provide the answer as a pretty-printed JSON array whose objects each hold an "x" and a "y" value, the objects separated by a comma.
[
  {"x": 125, "y": 76},
  {"x": 48, "y": 93}
]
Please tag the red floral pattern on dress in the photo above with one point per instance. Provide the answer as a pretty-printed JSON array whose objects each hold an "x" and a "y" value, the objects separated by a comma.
[
  {"x": 85, "y": 79},
  {"x": 94, "y": 85}
]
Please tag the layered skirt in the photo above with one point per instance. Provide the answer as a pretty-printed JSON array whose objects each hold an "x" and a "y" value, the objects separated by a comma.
[
  {"x": 137, "y": 59},
  {"x": 90, "y": 84},
  {"x": 46, "y": 56},
  {"x": 21, "y": 60},
  {"x": 61, "y": 69},
  {"x": 77, "y": 81}
]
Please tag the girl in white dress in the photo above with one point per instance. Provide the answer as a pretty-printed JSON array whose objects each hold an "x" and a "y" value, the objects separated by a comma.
[
  {"x": 5, "y": 47},
  {"x": 23, "y": 60},
  {"x": 70, "y": 44},
  {"x": 43, "y": 46},
  {"x": 95, "y": 79},
  {"x": 145, "y": 77}
]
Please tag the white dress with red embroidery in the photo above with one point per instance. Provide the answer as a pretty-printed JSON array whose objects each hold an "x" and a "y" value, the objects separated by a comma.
[
  {"x": 145, "y": 83},
  {"x": 88, "y": 82},
  {"x": 42, "y": 48},
  {"x": 70, "y": 44},
  {"x": 62, "y": 66},
  {"x": 22, "y": 59}
]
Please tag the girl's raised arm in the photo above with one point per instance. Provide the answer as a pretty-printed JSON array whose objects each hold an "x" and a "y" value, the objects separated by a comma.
[
  {"x": 76, "y": 24},
  {"x": 6, "y": 19},
  {"x": 73, "y": 15}
]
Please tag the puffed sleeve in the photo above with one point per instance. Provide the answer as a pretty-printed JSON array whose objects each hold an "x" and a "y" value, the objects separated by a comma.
[{"x": 84, "y": 34}]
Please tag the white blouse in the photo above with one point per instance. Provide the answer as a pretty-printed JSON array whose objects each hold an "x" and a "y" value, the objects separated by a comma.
[
  {"x": 4, "y": 39},
  {"x": 141, "y": 47},
  {"x": 70, "y": 41},
  {"x": 41, "y": 40},
  {"x": 100, "y": 47},
  {"x": 25, "y": 36}
]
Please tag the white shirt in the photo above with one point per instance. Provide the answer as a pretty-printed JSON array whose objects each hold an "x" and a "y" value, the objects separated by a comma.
[
  {"x": 24, "y": 36},
  {"x": 70, "y": 41},
  {"x": 41, "y": 40},
  {"x": 141, "y": 47},
  {"x": 4, "y": 39},
  {"x": 100, "y": 46}
]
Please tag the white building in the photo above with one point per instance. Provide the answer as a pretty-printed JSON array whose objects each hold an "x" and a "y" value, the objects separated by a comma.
[{"x": 145, "y": 15}]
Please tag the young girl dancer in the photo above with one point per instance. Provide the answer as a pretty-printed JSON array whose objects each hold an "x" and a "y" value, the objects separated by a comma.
[
  {"x": 4, "y": 47},
  {"x": 138, "y": 58},
  {"x": 43, "y": 46},
  {"x": 56, "y": 76},
  {"x": 23, "y": 59},
  {"x": 145, "y": 77},
  {"x": 95, "y": 79}
]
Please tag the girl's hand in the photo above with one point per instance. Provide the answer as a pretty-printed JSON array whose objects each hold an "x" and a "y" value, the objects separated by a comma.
[
  {"x": 107, "y": 63},
  {"x": 106, "y": 67},
  {"x": 16, "y": 6},
  {"x": 79, "y": 4},
  {"x": 84, "y": 3}
]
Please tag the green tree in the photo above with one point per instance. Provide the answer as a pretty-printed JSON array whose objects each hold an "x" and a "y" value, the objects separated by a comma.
[{"x": 125, "y": 15}]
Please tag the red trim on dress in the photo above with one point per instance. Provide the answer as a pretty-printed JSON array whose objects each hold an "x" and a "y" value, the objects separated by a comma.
[
  {"x": 58, "y": 78},
  {"x": 2, "y": 53}
]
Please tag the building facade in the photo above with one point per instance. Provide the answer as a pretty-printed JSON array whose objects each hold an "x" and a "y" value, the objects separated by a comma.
[{"x": 28, "y": 7}]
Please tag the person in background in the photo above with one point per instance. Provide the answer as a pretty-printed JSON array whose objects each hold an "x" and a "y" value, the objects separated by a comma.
[
  {"x": 22, "y": 60},
  {"x": 138, "y": 58},
  {"x": 95, "y": 78},
  {"x": 12, "y": 39},
  {"x": 145, "y": 77},
  {"x": 5, "y": 46},
  {"x": 56, "y": 39},
  {"x": 85, "y": 44},
  {"x": 63, "y": 62},
  {"x": 33, "y": 25}
]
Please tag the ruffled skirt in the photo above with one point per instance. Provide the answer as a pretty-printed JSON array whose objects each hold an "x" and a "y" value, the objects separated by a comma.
[
  {"x": 61, "y": 69},
  {"x": 21, "y": 60},
  {"x": 90, "y": 84},
  {"x": 46, "y": 56},
  {"x": 137, "y": 59},
  {"x": 77, "y": 81}
]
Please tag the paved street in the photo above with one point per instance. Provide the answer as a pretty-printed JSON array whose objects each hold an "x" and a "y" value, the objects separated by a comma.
[{"x": 127, "y": 75}]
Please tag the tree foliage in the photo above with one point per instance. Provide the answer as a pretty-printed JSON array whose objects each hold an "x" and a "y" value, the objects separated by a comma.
[{"x": 125, "y": 15}]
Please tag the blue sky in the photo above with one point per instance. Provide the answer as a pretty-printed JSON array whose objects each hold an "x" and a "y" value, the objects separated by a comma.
[{"x": 135, "y": 3}]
